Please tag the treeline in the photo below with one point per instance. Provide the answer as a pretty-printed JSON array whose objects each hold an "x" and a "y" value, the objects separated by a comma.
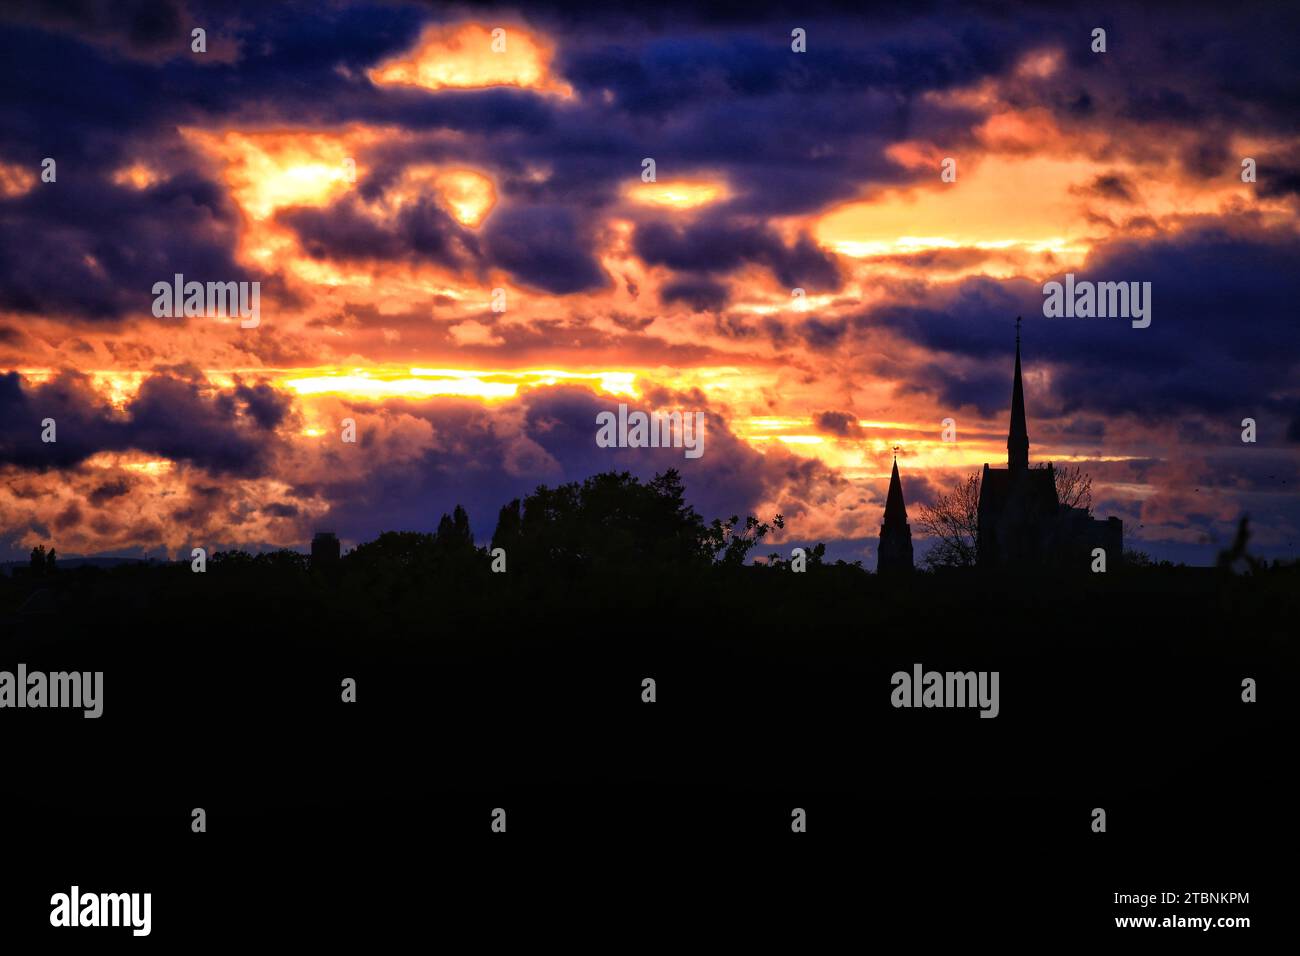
[{"x": 609, "y": 543}]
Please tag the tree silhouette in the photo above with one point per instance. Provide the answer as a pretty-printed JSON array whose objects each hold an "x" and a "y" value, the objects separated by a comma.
[
  {"x": 953, "y": 522},
  {"x": 614, "y": 520},
  {"x": 1235, "y": 558},
  {"x": 42, "y": 562},
  {"x": 507, "y": 534},
  {"x": 453, "y": 534},
  {"x": 1074, "y": 488},
  {"x": 730, "y": 546},
  {"x": 395, "y": 549}
]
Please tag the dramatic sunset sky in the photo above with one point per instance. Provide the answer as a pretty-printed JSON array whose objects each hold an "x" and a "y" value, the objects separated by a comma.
[{"x": 380, "y": 170}]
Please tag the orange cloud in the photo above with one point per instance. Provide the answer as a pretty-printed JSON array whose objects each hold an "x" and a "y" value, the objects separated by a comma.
[
  {"x": 265, "y": 171},
  {"x": 269, "y": 170},
  {"x": 466, "y": 194},
  {"x": 1032, "y": 213},
  {"x": 15, "y": 180},
  {"x": 678, "y": 194},
  {"x": 137, "y": 176},
  {"x": 469, "y": 56}
]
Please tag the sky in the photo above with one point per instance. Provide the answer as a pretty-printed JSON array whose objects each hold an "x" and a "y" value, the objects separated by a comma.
[{"x": 448, "y": 214}]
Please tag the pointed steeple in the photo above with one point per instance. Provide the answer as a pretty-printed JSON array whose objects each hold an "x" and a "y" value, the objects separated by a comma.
[
  {"x": 1018, "y": 437},
  {"x": 895, "y": 553},
  {"x": 895, "y": 510}
]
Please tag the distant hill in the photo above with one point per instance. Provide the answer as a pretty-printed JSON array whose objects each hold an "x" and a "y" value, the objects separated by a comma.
[{"x": 63, "y": 562}]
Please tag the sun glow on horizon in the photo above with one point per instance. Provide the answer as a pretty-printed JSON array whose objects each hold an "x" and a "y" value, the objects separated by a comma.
[{"x": 419, "y": 383}]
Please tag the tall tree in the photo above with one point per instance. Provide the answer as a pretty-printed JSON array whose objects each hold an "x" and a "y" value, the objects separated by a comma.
[
  {"x": 454, "y": 535},
  {"x": 1074, "y": 488},
  {"x": 508, "y": 522},
  {"x": 953, "y": 522},
  {"x": 460, "y": 526}
]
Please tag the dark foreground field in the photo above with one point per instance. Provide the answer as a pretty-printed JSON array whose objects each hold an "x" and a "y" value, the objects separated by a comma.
[{"x": 223, "y": 691}]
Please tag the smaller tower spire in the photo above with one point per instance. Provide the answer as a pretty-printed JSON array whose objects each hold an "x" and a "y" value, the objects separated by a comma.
[{"x": 895, "y": 553}]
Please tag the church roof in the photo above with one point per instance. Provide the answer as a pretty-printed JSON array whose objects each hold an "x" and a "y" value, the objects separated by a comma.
[{"x": 998, "y": 485}]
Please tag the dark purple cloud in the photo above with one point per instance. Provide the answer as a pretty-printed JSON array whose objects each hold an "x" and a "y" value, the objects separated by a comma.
[
  {"x": 544, "y": 247},
  {"x": 843, "y": 424},
  {"x": 1221, "y": 339},
  {"x": 419, "y": 232},
  {"x": 700, "y": 293},
  {"x": 176, "y": 418},
  {"x": 711, "y": 247},
  {"x": 479, "y": 464}
]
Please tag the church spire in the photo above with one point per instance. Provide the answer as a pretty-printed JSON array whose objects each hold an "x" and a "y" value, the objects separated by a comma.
[
  {"x": 895, "y": 510},
  {"x": 1018, "y": 438},
  {"x": 895, "y": 552}
]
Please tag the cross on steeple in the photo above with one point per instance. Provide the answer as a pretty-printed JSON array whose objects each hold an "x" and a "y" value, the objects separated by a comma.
[{"x": 1017, "y": 330}]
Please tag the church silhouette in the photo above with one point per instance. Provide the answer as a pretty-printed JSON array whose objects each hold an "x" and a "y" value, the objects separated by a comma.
[{"x": 1021, "y": 520}]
